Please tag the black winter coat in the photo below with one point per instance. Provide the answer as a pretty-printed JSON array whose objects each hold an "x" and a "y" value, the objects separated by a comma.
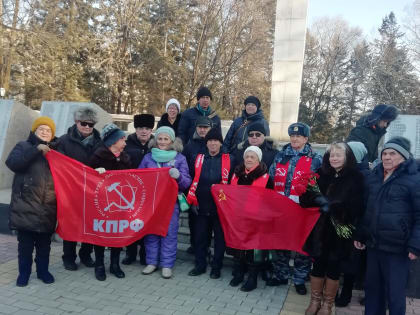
[
  {"x": 392, "y": 219},
  {"x": 103, "y": 157},
  {"x": 186, "y": 126},
  {"x": 195, "y": 146},
  {"x": 164, "y": 121},
  {"x": 136, "y": 150},
  {"x": 267, "y": 148},
  {"x": 344, "y": 191},
  {"x": 211, "y": 173},
  {"x": 33, "y": 206},
  {"x": 71, "y": 145}
]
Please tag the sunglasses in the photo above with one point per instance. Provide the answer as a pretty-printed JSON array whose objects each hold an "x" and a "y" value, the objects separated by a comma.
[
  {"x": 254, "y": 134},
  {"x": 85, "y": 123}
]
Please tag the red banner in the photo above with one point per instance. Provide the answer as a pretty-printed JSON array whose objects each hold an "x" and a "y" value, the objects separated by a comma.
[
  {"x": 259, "y": 218},
  {"x": 112, "y": 209}
]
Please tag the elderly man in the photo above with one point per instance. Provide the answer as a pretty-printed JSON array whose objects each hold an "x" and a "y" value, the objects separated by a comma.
[
  {"x": 79, "y": 143},
  {"x": 137, "y": 147},
  {"x": 390, "y": 229},
  {"x": 186, "y": 126},
  {"x": 295, "y": 157}
]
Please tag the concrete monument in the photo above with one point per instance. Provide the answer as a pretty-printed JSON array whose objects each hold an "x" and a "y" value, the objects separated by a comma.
[
  {"x": 407, "y": 126},
  {"x": 289, "y": 48}
]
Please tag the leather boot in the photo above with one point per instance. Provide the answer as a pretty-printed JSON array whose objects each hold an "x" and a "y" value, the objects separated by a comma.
[
  {"x": 330, "y": 291},
  {"x": 344, "y": 298},
  {"x": 115, "y": 264},
  {"x": 251, "y": 281},
  {"x": 317, "y": 285},
  {"x": 42, "y": 262},
  {"x": 238, "y": 273},
  {"x": 25, "y": 268}
]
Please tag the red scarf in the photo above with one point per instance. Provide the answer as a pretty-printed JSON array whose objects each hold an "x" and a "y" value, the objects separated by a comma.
[
  {"x": 259, "y": 182},
  {"x": 191, "y": 197}
]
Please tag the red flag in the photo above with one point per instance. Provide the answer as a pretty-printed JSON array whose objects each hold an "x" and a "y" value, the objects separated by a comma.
[
  {"x": 259, "y": 218},
  {"x": 112, "y": 209}
]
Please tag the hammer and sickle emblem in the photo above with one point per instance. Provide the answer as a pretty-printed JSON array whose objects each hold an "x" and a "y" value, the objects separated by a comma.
[
  {"x": 222, "y": 195},
  {"x": 128, "y": 204}
]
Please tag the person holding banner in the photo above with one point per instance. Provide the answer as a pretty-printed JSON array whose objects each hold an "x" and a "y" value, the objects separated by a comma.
[
  {"x": 110, "y": 156},
  {"x": 253, "y": 172},
  {"x": 79, "y": 143},
  {"x": 165, "y": 152},
  {"x": 213, "y": 167},
  {"x": 33, "y": 209},
  {"x": 296, "y": 157},
  {"x": 340, "y": 198}
]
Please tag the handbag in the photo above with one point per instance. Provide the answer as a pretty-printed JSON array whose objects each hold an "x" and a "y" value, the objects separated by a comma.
[{"x": 183, "y": 203}]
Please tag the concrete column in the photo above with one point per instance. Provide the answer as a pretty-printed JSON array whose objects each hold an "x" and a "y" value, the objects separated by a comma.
[{"x": 289, "y": 48}]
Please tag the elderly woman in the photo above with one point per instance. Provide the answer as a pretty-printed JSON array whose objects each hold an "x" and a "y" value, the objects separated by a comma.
[
  {"x": 161, "y": 251},
  {"x": 330, "y": 242},
  {"x": 172, "y": 116},
  {"x": 238, "y": 131},
  {"x": 110, "y": 156},
  {"x": 252, "y": 172},
  {"x": 33, "y": 211},
  {"x": 212, "y": 167}
]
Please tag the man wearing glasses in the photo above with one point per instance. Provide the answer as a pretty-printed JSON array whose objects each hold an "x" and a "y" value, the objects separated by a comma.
[{"x": 81, "y": 140}]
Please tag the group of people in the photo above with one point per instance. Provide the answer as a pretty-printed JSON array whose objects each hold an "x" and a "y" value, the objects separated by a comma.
[{"x": 365, "y": 203}]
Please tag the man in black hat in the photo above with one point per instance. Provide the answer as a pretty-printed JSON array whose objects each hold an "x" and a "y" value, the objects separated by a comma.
[
  {"x": 79, "y": 143},
  {"x": 295, "y": 157},
  {"x": 137, "y": 147},
  {"x": 186, "y": 126},
  {"x": 372, "y": 127},
  {"x": 390, "y": 229},
  {"x": 194, "y": 147}
]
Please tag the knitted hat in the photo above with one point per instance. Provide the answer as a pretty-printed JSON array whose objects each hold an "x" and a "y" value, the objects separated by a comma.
[
  {"x": 257, "y": 127},
  {"x": 110, "y": 134},
  {"x": 44, "y": 120},
  {"x": 86, "y": 113},
  {"x": 203, "y": 121},
  {"x": 175, "y": 102},
  {"x": 382, "y": 112},
  {"x": 253, "y": 100},
  {"x": 300, "y": 129},
  {"x": 400, "y": 144},
  {"x": 255, "y": 149},
  {"x": 359, "y": 150},
  {"x": 144, "y": 120},
  {"x": 203, "y": 91},
  {"x": 214, "y": 134},
  {"x": 168, "y": 130}
]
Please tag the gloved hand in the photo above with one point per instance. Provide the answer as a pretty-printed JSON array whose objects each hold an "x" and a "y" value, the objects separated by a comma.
[
  {"x": 174, "y": 173},
  {"x": 194, "y": 209},
  {"x": 322, "y": 203},
  {"x": 100, "y": 170},
  {"x": 43, "y": 148}
]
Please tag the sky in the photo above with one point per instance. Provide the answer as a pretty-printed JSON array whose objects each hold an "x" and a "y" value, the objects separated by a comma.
[{"x": 367, "y": 14}]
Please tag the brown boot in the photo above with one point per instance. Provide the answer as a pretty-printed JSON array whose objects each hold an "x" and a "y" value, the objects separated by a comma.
[
  {"x": 317, "y": 285},
  {"x": 330, "y": 291}
]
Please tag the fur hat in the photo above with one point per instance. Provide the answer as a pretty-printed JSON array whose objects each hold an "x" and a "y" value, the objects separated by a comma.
[
  {"x": 144, "y": 120},
  {"x": 254, "y": 149},
  {"x": 359, "y": 150},
  {"x": 253, "y": 100},
  {"x": 168, "y": 130},
  {"x": 382, "y": 112},
  {"x": 175, "y": 102},
  {"x": 110, "y": 134},
  {"x": 203, "y": 91},
  {"x": 300, "y": 129},
  {"x": 257, "y": 127},
  {"x": 400, "y": 144},
  {"x": 214, "y": 134},
  {"x": 86, "y": 113},
  {"x": 44, "y": 120}
]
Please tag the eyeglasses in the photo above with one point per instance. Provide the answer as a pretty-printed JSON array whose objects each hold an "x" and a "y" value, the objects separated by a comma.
[
  {"x": 85, "y": 123},
  {"x": 254, "y": 134},
  {"x": 44, "y": 130}
]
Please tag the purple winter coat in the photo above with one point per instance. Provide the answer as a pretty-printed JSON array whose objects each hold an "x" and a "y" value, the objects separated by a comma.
[{"x": 161, "y": 251}]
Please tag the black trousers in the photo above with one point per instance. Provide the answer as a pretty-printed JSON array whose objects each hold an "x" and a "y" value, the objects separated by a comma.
[
  {"x": 69, "y": 251},
  {"x": 132, "y": 249},
  {"x": 202, "y": 225},
  {"x": 27, "y": 241},
  {"x": 386, "y": 279},
  {"x": 99, "y": 255}
]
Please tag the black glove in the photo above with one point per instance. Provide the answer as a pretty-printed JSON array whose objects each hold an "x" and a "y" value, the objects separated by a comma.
[{"x": 322, "y": 203}]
